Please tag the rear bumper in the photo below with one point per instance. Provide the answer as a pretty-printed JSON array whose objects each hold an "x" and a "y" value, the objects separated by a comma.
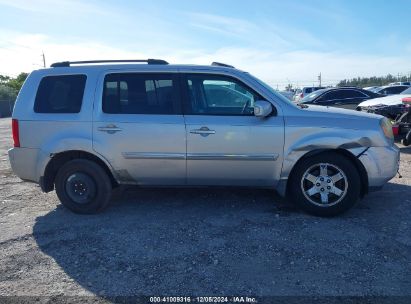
[
  {"x": 381, "y": 164},
  {"x": 24, "y": 163}
]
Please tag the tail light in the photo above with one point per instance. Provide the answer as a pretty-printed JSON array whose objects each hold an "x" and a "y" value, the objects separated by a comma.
[
  {"x": 395, "y": 129},
  {"x": 15, "y": 132}
]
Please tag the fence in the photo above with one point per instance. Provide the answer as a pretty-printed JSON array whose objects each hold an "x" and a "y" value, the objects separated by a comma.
[{"x": 6, "y": 107}]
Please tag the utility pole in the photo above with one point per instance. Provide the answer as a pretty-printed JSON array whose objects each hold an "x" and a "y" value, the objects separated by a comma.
[
  {"x": 44, "y": 60},
  {"x": 319, "y": 78}
]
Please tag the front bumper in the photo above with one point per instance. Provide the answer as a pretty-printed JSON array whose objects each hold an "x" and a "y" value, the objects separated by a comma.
[{"x": 381, "y": 164}]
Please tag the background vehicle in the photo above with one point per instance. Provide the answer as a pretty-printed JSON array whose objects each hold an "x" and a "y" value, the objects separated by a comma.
[
  {"x": 391, "y": 89},
  {"x": 300, "y": 94},
  {"x": 402, "y": 125},
  {"x": 372, "y": 89},
  {"x": 288, "y": 94},
  {"x": 83, "y": 130},
  {"x": 407, "y": 83},
  {"x": 386, "y": 100},
  {"x": 389, "y": 106},
  {"x": 347, "y": 98}
]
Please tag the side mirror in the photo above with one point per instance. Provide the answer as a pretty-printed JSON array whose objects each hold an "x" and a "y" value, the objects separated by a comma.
[{"x": 262, "y": 108}]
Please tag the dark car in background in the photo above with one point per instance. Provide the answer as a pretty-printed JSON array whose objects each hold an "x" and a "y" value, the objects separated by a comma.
[{"x": 347, "y": 98}]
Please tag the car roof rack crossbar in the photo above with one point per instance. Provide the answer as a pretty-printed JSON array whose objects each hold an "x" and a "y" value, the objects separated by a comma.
[
  {"x": 68, "y": 63},
  {"x": 222, "y": 65}
]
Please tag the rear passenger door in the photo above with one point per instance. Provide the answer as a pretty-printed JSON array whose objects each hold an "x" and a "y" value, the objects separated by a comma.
[{"x": 139, "y": 128}]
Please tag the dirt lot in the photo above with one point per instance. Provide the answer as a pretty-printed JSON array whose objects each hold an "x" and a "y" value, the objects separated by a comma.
[{"x": 201, "y": 242}]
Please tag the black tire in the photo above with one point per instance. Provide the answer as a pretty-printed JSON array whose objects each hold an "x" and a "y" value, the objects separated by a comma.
[
  {"x": 350, "y": 183},
  {"x": 95, "y": 186}
]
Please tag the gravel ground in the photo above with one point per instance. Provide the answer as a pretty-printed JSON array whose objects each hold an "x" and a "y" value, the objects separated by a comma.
[{"x": 202, "y": 242}]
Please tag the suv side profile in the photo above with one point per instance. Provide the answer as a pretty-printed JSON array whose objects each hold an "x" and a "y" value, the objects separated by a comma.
[{"x": 84, "y": 129}]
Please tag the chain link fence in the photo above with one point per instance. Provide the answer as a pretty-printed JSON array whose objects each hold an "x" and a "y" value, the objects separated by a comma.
[{"x": 6, "y": 107}]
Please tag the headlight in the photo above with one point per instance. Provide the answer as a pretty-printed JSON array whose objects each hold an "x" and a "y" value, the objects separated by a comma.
[{"x": 386, "y": 127}]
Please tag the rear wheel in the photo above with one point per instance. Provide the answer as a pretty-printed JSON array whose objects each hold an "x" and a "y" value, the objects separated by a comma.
[
  {"x": 325, "y": 184},
  {"x": 83, "y": 186}
]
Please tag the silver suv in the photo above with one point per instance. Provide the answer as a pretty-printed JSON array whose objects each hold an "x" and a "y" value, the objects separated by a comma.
[{"x": 83, "y": 129}]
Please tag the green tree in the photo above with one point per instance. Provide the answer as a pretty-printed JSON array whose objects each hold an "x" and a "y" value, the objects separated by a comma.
[
  {"x": 7, "y": 93},
  {"x": 4, "y": 79},
  {"x": 371, "y": 81},
  {"x": 17, "y": 83}
]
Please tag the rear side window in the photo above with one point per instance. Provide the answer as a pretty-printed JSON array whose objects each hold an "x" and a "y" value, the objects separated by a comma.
[
  {"x": 139, "y": 93},
  {"x": 60, "y": 94},
  {"x": 393, "y": 90}
]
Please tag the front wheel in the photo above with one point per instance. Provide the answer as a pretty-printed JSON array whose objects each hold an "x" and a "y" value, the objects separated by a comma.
[
  {"x": 325, "y": 184},
  {"x": 83, "y": 186}
]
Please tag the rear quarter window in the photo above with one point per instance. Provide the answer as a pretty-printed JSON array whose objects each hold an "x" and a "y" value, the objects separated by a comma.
[{"x": 60, "y": 94}]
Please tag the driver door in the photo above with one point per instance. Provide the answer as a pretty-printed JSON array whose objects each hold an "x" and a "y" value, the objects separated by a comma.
[{"x": 226, "y": 143}]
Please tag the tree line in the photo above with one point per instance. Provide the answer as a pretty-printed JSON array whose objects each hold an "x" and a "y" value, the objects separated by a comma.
[
  {"x": 10, "y": 87},
  {"x": 372, "y": 81}
]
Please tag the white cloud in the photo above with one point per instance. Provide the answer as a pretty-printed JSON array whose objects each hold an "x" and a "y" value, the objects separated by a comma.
[
  {"x": 56, "y": 7},
  {"x": 263, "y": 33}
]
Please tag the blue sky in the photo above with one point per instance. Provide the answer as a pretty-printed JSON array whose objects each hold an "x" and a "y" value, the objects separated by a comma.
[{"x": 278, "y": 41}]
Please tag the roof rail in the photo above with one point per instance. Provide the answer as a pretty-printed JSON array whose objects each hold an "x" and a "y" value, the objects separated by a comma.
[
  {"x": 68, "y": 63},
  {"x": 222, "y": 65}
]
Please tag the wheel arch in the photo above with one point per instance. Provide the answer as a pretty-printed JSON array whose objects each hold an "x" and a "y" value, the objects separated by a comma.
[
  {"x": 59, "y": 159},
  {"x": 360, "y": 167}
]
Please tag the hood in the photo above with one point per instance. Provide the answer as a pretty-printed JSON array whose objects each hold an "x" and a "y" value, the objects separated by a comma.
[
  {"x": 339, "y": 112},
  {"x": 332, "y": 120},
  {"x": 387, "y": 100}
]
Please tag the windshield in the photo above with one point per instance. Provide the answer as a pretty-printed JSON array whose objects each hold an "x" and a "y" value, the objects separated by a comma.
[
  {"x": 407, "y": 91},
  {"x": 375, "y": 90},
  {"x": 312, "y": 96}
]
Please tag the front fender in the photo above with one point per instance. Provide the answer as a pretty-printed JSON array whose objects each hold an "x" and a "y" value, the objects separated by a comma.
[{"x": 308, "y": 141}]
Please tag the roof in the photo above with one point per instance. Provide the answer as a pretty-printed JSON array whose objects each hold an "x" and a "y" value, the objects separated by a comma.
[{"x": 141, "y": 65}]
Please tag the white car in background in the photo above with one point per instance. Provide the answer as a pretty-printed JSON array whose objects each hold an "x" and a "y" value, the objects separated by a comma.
[
  {"x": 407, "y": 83},
  {"x": 390, "y": 100}
]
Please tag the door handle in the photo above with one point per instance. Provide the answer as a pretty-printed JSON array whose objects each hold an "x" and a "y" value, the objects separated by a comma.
[
  {"x": 203, "y": 131},
  {"x": 110, "y": 129}
]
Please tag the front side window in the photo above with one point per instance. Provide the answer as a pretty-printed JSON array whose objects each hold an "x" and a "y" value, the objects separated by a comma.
[
  {"x": 219, "y": 95},
  {"x": 139, "y": 93},
  {"x": 60, "y": 94}
]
